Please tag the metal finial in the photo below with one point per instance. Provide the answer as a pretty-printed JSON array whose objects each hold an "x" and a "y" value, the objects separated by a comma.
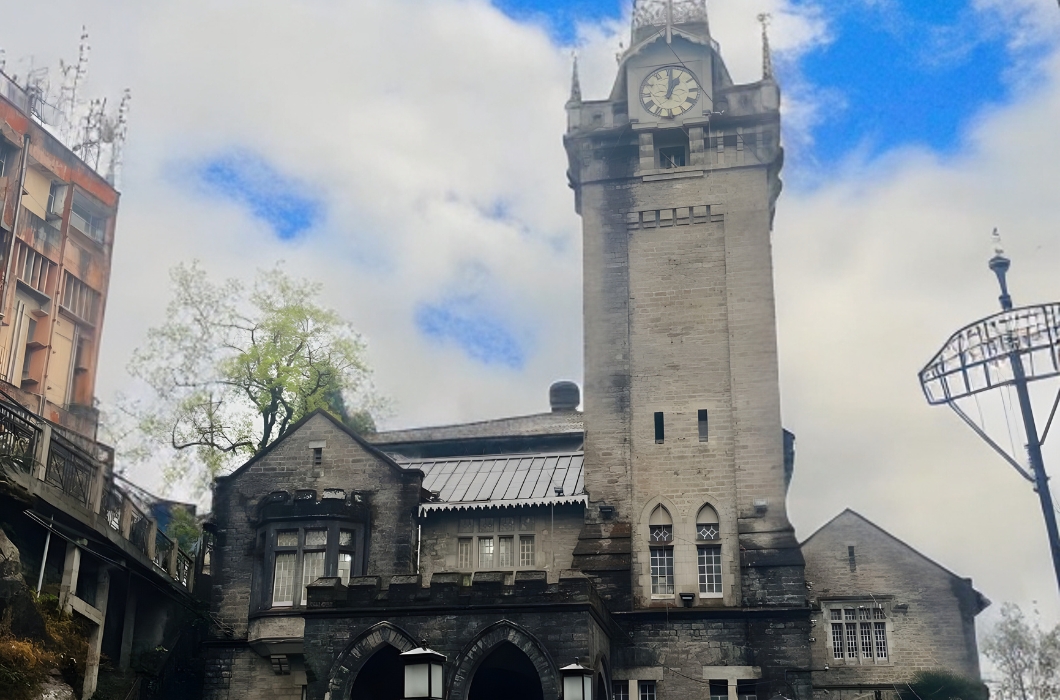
[
  {"x": 1000, "y": 265},
  {"x": 767, "y": 53}
]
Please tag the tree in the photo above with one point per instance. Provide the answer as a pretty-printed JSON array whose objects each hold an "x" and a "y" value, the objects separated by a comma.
[
  {"x": 230, "y": 371},
  {"x": 1027, "y": 659}
]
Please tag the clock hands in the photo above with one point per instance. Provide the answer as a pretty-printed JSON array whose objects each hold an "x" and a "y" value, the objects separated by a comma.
[{"x": 671, "y": 83}]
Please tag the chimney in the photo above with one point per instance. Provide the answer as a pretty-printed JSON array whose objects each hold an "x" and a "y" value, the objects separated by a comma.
[{"x": 564, "y": 396}]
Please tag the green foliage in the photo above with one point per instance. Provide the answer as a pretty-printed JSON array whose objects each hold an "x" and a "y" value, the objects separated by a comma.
[
  {"x": 1027, "y": 658},
  {"x": 183, "y": 528},
  {"x": 943, "y": 685},
  {"x": 231, "y": 370}
]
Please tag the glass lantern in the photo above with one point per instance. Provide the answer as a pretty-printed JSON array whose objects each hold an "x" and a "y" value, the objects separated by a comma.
[
  {"x": 423, "y": 673},
  {"x": 577, "y": 682}
]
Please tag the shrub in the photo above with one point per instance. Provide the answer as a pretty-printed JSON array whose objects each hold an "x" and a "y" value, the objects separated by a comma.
[{"x": 943, "y": 685}]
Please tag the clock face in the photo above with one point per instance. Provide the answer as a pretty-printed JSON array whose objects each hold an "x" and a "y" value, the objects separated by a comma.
[{"x": 669, "y": 92}]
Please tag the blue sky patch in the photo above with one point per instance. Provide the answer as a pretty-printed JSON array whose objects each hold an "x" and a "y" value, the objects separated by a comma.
[
  {"x": 481, "y": 335},
  {"x": 909, "y": 72},
  {"x": 560, "y": 16},
  {"x": 282, "y": 202}
]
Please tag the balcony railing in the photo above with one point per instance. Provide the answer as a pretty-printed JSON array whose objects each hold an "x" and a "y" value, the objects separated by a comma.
[
  {"x": 71, "y": 473},
  {"x": 33, "y": 449}
]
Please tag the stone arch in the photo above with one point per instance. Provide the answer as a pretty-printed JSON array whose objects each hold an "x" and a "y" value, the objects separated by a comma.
[
  {"x": 347, "y": 664},
  {"x": 475, "y": 651},
  {"x": 602, "y": 676}
]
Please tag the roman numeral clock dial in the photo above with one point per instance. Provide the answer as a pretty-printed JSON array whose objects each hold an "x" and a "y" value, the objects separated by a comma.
[{"x": 669, "y": 92}]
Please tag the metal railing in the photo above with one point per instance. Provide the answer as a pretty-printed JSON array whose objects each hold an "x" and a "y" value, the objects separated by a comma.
[
  {"x": 18, "y": 438},
  {"x": 183, "y": 570},
  {"x": 138, "y": 527},
  {"x": 70, "y": 472},
  {"x": 163, "y": 550}
]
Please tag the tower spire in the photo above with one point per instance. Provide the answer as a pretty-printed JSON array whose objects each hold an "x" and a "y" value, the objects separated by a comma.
[
  {"x": 767, "y": 54},
  {"x": 575, "y": 83}
]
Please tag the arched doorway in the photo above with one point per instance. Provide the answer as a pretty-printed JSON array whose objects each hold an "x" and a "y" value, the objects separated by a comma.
[
  {"x": 506, "y": 673},
  {"x": 381, "y": 678}
]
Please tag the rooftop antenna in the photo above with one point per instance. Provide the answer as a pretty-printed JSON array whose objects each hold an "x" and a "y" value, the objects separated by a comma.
[
  {"x": 1005, "y": 351},
  {"x": 73, "y": 77},
  {"x": 767, "y": 54}
]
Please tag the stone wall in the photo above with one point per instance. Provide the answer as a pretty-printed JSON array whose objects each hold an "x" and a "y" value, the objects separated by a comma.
[
  {"x": 931, "y": 611},
  {"x": 555, "y": 536},
  {"x": 288, "y": 466}
]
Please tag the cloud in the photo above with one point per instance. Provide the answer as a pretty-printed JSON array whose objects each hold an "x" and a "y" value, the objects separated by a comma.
[
  {"x": 481, "y": 335},
  {"x": 248, "y": 179},
  {"x": 409, "y": 135}
]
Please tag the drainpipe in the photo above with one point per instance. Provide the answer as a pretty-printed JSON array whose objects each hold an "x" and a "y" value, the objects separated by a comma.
[
  {"x": 44, "y": 560},
  {"x": 14, "y": 223}
]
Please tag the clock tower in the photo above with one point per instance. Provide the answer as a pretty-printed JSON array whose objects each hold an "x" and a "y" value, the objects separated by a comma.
[{"x": 676, "y": 177}]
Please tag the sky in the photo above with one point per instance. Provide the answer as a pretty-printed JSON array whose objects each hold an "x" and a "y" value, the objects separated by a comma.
[{"x": 408, "y": 155}]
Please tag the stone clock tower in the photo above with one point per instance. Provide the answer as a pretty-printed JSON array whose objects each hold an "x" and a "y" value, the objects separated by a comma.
[{"x": 676, "y": 177}]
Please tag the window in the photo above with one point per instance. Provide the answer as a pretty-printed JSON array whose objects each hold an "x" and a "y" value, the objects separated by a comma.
[
  {"x": 660, "y": 541},
  {"x": 672, "y": 157},
  {"x": 526, "y": 551},
  {"x": 709, "y": 555},
  {"x": 647, "y": 690},
  {"x": 659, "y": 428},
  {"x": 6, "y": 158},
  {"x": 671, "y": 148},
  {"x": 719, "y": 690},
  {"x": 79, "y": 299},
  {"x": 510, "y": 549},
  {"x": 506, "y": 552},
  {"x": 859, "y": 633},
  {"x": 619, "y": 690},
  {"x": 746, "y": 690},
  {"x": 463, "y": 553},
  {"x": 34, "y": 269},
  {"x": 485, "y": 552},
  {"x": 302, "y": 555},
  {"x": 318, "y": 456},
  {"x": 85, "y": 217},
  {"x": 703, "y": 428},
  {"x": 851, "y": 559}
]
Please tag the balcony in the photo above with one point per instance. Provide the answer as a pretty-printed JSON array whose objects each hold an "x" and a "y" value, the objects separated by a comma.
[{"x": 42, "y": 462}]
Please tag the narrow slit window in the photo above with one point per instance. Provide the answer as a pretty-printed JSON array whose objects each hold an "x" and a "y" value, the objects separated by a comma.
[
  {"x": 318, "y": 456},
  {"x": 704, "y": 432},
  {"x": 851, "y": 558},
  {"x": 659, "y": 428}
]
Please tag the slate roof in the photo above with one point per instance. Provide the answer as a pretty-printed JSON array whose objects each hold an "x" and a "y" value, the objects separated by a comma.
[
  {"x": 552, "y": 423},
  {"x": 466, "y": 483}
]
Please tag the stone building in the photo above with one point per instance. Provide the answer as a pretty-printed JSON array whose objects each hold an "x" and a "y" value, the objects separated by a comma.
[
  {"x": 884, "y": 610},
  {"x": 645, "y": 538}
]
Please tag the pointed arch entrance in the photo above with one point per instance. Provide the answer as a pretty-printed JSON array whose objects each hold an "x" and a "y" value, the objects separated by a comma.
[
  {"x": 382, "y": 677},
  {"x": 479, "y": 655},
  {"x": 368, "y": 655},
  {"x": 506, "y": 673}
]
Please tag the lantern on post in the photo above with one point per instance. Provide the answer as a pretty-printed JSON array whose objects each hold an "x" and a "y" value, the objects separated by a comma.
[
  {"x": 577, "y": 682},
  {"x": 423, "y": 673}
]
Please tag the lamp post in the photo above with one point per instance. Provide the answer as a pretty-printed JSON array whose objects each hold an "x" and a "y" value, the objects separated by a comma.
[
  {"x": 577, "y": 682},
  {"x": 1011, "y": 349},
  {"x": 423, "y": 673}
]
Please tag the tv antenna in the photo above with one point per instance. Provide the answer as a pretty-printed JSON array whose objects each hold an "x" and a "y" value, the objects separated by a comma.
[{"x": 1006, "y": 351}]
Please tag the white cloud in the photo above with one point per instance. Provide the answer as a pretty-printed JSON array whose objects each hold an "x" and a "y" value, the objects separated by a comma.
[{"x": 413, "y": 119}]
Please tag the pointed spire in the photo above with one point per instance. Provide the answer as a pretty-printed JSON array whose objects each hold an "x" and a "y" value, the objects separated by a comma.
[
  {"x": 767, "y": 54},
  {"x": 575, "y": 84}
]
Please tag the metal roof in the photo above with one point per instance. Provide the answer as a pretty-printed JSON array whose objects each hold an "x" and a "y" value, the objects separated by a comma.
[{"x": 501, "y": 480}]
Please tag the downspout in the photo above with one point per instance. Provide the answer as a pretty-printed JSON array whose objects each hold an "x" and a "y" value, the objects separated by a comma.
[
  {"x": 419, "y": 543},
  {"x": 23, "y": 166}
]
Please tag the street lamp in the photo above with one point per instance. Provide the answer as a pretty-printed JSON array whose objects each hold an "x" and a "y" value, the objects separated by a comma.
[
  {"x": 423, "y": 673},
  {"x": 577, "y": 682}
]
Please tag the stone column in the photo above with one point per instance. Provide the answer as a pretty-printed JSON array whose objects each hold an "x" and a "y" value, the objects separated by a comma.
[
  {"x": 128, "y": 627},
  {"x": 71, "y": 569},
  {"x": 95, "y": 637}
]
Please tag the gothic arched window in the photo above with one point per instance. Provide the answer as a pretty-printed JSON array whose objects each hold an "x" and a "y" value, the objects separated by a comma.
[
  {"x": 660, "y": 541},
  {"x": 708, "y": 548}
]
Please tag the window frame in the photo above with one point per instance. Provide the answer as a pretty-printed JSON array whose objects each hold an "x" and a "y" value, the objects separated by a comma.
[
  {"x": 856, "y": 617},
  {"x": 331, "y": 549},
  {"x": 476, "y": 530}
]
